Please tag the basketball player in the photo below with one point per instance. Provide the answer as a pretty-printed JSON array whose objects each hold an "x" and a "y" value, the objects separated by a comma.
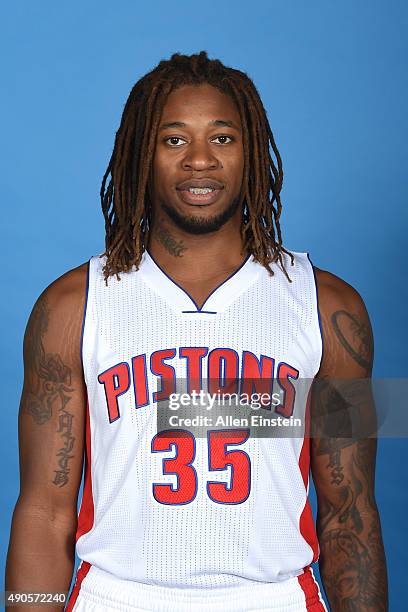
[{"x": 194, "y": 284}]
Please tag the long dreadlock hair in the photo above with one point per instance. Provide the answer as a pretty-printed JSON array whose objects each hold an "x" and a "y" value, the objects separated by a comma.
[{"x": 124, "y": 191}]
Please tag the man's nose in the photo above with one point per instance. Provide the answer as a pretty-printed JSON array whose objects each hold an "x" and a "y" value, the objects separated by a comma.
[{"x": 200, "y": 157}]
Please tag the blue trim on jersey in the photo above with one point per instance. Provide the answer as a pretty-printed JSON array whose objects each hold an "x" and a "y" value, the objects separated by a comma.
[
  {"x": 199, "y": 312},
  {"x": 318, "y": 310},
  {"x": 81, "y": 350},
  {"x": 198, "y": 309},
  {"x": 226, "y": 280}
]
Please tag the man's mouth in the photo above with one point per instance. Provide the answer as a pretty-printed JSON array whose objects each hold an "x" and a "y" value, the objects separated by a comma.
[{"x": 199, "y": 192}]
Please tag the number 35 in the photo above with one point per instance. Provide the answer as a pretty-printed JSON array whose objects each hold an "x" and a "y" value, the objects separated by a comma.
[{"x": 219, "y": 458}]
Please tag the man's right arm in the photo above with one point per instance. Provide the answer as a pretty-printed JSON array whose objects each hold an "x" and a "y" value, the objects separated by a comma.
[{"x": 51, "y": 427}]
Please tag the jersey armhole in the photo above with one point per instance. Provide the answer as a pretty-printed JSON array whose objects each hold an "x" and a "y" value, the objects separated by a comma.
[
  {"x": 316, "y": 310},
  {"x": 85, "y": 318}
]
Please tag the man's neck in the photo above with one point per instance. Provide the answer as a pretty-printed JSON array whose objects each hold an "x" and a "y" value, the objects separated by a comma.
[{"x": 194, "y": 258}]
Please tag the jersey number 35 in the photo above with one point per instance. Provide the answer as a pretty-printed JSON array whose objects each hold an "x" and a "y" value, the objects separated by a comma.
[{"x": 219, "y": 458}]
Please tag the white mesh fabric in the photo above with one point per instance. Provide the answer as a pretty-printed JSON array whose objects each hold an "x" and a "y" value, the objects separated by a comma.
[{"x": 202, "y": 543}]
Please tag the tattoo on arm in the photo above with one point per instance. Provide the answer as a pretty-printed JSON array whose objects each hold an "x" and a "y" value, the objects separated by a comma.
[
  {"x": 64, "y": 427},
  {"x": 49, "y": 387},
  {"x": 353, "y": 564},
  {"x": 352, "y": 560},
  {"x": 355, "y": 336},
  {"x": 343, "y": 411}
]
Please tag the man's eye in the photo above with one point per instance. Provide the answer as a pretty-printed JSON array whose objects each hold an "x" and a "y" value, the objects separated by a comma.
[
  {"x": 223, "y": 139},
  {"x": 174, "y": 141}
]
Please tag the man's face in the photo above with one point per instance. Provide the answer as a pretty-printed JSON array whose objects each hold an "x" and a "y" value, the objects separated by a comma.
[{"x": 199, "y": 159}]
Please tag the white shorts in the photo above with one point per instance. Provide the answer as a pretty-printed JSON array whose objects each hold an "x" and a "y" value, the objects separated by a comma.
[{"x": 98, "y": 591}]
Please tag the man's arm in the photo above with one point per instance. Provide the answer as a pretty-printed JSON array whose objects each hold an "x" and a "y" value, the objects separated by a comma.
[
  {"x": 352, "y": 560},
  {"x": 51, "y": 441}
]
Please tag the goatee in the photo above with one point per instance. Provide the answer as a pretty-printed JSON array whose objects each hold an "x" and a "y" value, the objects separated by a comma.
[{"x": 201, "y": 225}]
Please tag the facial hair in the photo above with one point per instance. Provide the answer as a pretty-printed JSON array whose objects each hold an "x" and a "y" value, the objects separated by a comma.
[{"x": 201, "y": 225}]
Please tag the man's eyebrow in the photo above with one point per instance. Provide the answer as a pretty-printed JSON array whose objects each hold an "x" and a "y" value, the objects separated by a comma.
[
  {"x": 172, "y": 124},
  {"x": 225, "y": 123},
  {"x": 217, "y": 122}
]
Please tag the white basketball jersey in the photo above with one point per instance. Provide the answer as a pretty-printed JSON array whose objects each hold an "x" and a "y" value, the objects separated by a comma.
[{"x": 195, "y": 511}]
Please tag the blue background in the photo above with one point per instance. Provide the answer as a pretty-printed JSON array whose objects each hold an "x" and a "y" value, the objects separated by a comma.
[{"x": 333, "y": 78}]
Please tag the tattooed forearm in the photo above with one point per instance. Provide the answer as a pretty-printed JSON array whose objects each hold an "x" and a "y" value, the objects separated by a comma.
[
  {"x": 355, "y": 336},
  {"x": 162, "y": 234},
  {"x": 352, "y": 560},
  {"x": 356, "y": 580},
  {"x": 353, "y": 568}
]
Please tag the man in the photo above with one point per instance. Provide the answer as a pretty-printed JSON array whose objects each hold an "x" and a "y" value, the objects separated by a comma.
[{"x": 194, "y": 285}]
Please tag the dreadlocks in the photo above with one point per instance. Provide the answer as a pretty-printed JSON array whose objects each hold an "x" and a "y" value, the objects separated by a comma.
[{"x": 125, "y": 201}]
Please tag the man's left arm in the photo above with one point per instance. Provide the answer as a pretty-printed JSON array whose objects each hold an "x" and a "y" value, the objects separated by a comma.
[{"x": 352, "y": 560}]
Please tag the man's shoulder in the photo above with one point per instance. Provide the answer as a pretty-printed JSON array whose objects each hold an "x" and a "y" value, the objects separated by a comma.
[
  {"x": 55, "y": 324},
  {"x": 69, "y": 288},
  {"x": 63, "y": 299},
  {"x": 346, "y": 328},
  {"x": 335, "y": 293}
]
